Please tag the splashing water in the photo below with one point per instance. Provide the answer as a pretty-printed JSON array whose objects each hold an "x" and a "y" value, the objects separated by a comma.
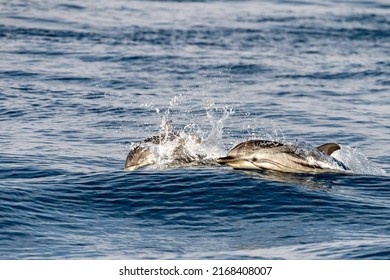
[
  {"x": 201, "y": 130},
  {"x": 357, "y": 162},
  {"x": 189, "y": 135},
  {"x": 201, "y": 141},
  {"x": 196, "y": 115}
]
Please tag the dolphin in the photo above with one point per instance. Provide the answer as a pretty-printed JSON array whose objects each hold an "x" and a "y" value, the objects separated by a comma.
[
  {"x": 276, "y": 156},
  {"x": 138, "y": 157},
  {"x": 146, "y": 153}
]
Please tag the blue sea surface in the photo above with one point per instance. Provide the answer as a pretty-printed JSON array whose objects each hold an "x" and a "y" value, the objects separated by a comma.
[{"x": 82, "y": 82}]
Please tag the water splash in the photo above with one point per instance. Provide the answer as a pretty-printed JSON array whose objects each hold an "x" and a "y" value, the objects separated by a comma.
[
  {"x": 202, "y": 130},
  {"x": 202, "y": 142},
  {"x": 194, "y": 133},
  {"x": 357, "y": 162},
  {"x": 196, "y": 115}
]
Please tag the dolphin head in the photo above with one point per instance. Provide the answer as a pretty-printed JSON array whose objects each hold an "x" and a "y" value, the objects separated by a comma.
[
  {"x": 254, "y": 154},
  {"x": 138, "y": 157},
  {"x": 236, "y": 162}
]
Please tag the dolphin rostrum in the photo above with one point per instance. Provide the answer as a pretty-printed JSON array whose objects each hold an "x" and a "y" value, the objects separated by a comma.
[
  {"x": 276, "y": 156},
  {"x": 147, "y": 152}
]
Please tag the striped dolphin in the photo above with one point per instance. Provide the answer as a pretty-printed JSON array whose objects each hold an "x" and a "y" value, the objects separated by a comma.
[
  {"x": 276, "y": 156},
  {"x": 147, "y": 152}
]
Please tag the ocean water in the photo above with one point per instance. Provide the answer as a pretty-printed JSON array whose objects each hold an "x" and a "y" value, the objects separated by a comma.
[{"x": 81, "y": 82}]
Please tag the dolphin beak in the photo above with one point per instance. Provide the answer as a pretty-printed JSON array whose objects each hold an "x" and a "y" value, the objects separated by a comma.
[
  {"x": 236, "y": 163},
  {"x": 226, "y": 160}
]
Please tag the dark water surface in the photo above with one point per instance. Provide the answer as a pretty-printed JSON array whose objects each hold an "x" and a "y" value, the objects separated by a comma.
[{"x": 83, "y": 81}]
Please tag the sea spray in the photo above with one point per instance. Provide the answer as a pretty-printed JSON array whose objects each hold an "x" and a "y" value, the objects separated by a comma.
[
  {"x": 197, "y": 124},
  {"x": 357, "y": 162}
]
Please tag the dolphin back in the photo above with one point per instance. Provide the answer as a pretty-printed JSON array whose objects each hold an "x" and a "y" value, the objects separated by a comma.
[{"x": 249, "y": 147}]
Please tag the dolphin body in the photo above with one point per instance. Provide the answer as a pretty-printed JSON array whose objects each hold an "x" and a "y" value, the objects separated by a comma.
[
  {"x": 146, "y": 153},
  {"x": 276, "y": 156}
]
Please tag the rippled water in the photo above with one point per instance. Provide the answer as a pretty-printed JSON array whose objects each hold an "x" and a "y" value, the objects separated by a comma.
[{"x": 81, "y": 82}]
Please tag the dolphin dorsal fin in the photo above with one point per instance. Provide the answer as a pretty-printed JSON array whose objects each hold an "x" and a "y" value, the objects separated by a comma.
[{"x": 329, "y": 148}]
